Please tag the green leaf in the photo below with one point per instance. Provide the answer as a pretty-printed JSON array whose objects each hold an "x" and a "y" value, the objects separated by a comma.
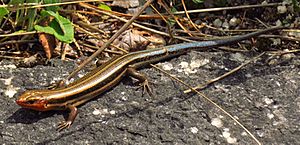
[
  {"x": 198, "y": 1},
  {"x": 104, "y": 7},
  {"x": 52, "y": 8},
  {"x": 19, "y": 16},
  {"x": 296, "y": 5},
  {"x": 31, "y": 15},
  {"x": 173, "y": 10},
  {"x": 3, "y": 12},
  {"x": 16, "y": 2},
  {"x": 60, "y": 27}
]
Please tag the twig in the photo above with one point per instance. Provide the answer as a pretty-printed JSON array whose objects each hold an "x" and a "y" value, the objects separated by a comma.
[
  {"x": 18, "y": 42},
  {"x": 281, "y": 37},
  {"x": 284, "y": 52},
  {"x": 96, "y": 48},
  {"x": 81, "y": 23},
  {"x": 227, "y": 8},
  {"x": 35, "y": 5},
  {"x": 19, "y": 34},
  {"x": 165, "y": 20},
  {"x": 188, "y": 16},
  {"x": 77, "y": 47},
  {"x": 162, "y": 3},
  {"x": 260, "y": 21},
  {"x": 11, "y": 57}
]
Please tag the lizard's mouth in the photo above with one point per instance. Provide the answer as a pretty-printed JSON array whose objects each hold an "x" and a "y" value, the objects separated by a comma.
[{"x": 34, "y": 105}]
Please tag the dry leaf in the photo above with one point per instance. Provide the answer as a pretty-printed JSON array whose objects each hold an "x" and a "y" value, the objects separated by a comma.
[
  {"x": 126, "y": 3},
  {"x": 48, "y": 42},
  {"x": 133, "y": 40}
]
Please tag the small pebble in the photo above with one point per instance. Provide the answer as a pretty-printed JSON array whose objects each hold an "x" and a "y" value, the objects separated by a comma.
[
  {"x": 96, "y": 112},
  {"x": 231, "y": 140},
  {"x": 167, "y": 66},
  {"x": 234, "y": 21},
  {"x": 281, "y": 9},
  {"x": 112, "y": 112},
  {"x": 217, "y": 122},
  {"x": 11, "y": 91},
  {"x": 225, "y": 25},
  {"x": 217, "y": 23},
  {"x": 268, "y": 101},
  {"x": 270, "y": 115},
  {"x": 226, "y": 134},
  {"x": 194, "y": 130}
]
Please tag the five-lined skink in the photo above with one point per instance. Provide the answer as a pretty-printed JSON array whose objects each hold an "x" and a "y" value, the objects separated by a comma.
[{"x": 109, "y": 74}]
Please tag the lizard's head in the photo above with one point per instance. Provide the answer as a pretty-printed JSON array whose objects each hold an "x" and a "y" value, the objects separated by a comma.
[{"x": 33, "y": 99}]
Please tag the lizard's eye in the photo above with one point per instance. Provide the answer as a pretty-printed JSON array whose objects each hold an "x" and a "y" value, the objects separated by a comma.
[{"x": 30, "y": 102}]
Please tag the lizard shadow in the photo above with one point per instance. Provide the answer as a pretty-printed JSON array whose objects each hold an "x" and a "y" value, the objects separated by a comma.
[{"x": 27, "y": 116}]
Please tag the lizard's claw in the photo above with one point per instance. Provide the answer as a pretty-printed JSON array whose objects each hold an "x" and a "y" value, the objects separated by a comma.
[
  {"x": 63, "y": 125},
  {"x": 146, "y": 87},
  {"x": 56, "y": 85}
]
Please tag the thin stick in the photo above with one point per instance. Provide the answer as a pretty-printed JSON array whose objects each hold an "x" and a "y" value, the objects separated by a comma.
[
  {"x": 165, "y": 20},
  {"x": 163, "y": 4},
  {"x": 96, "y": 48},
  {"x": 19, "y": 34},
  {"x": 35, "y": 5},
  {"x": 227, "y": 8},
  {"x": 18, "y": 42},
  {"x": 81, "y": 23},
  {"x": 209, "y": 100},
  {"x": 188, "y": 16},
  {"x": 281, "y": 37}
]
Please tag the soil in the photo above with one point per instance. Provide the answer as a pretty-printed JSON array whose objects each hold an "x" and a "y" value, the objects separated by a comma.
[{"x": 263, "y": 96}]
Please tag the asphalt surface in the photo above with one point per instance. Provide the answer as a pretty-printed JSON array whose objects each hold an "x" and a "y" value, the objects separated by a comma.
[{"x": 263, "y": 96}]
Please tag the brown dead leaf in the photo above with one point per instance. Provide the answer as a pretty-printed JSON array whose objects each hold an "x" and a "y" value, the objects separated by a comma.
[
  {"x": 48, "y": 42},
  {"x": 126, "y": 3},
  {"x": 129, "y": 40},
  {"x": 156, "y": 40},
  {"x": 30, "y": 60},
  {"x": 133, "y": 40}
]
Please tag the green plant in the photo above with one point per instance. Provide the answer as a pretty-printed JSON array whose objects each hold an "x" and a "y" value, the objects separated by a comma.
[
  {"x": 296, "y": 5},
  {"x": 198, "y": 1},
  {"x": 3, "y": 12},
  {"x": 29, "y": 18},
  {"x": 60, "y": 27}
]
